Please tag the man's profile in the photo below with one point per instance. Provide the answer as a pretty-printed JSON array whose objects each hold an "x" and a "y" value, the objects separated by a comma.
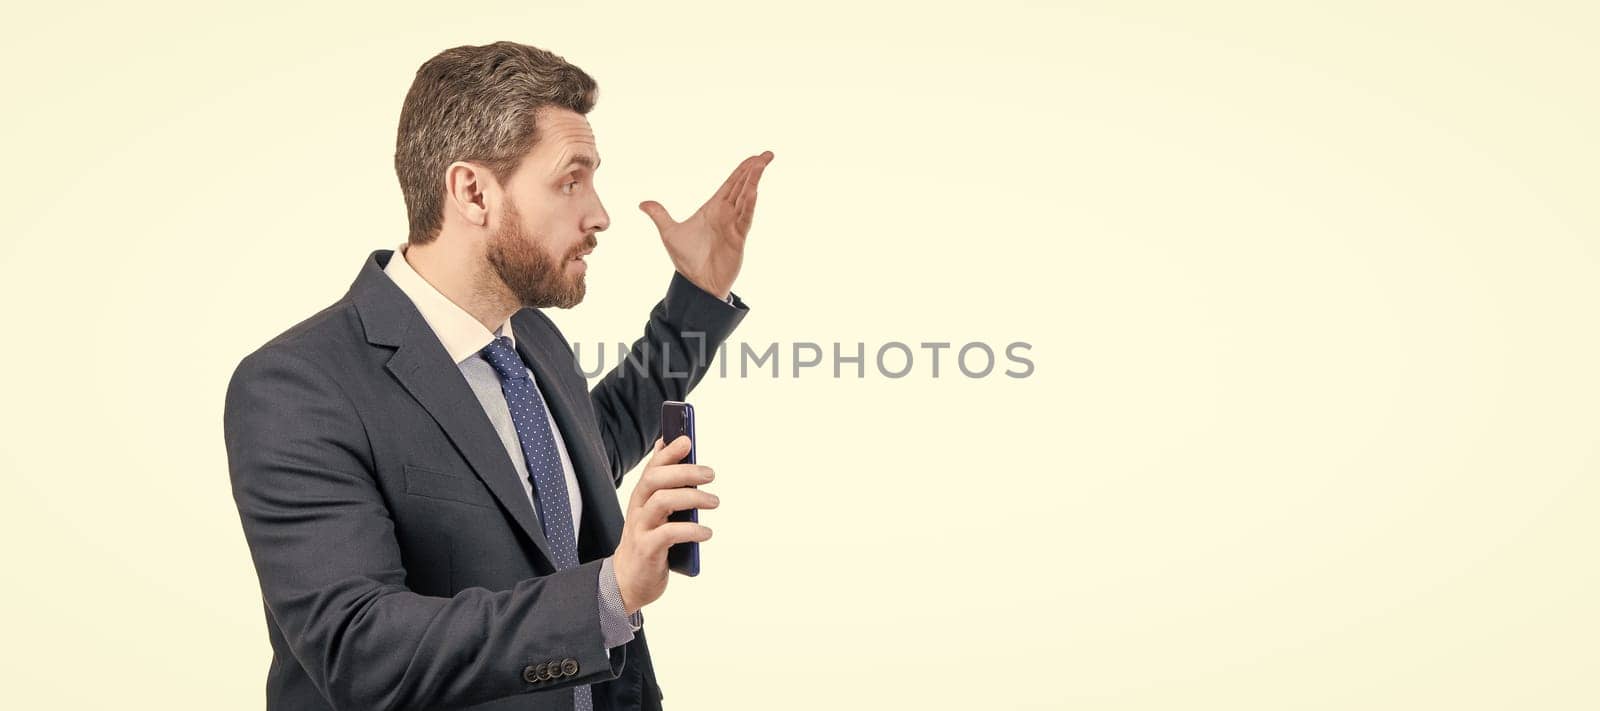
[{"x": 427, "y": 484}]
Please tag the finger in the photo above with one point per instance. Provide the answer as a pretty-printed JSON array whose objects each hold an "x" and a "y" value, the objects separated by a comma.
[
  {"x": 672, "y": 476},
  {"x": 636, "y": 498},
  {"x": 668, "y": 534},
  {"x": 747, "y": 191},
  {"x": 666, "y": 502},
  {"x": 731, "y": 185},
  {"x": 658, "y": 215},
  {"x": 744, "y": 177},
  {"x": 672, "y": 453},
  {"x": 726, "y": 192},
  {"x": 745, "y": 215},
  {"x": 664, "y": 456},
  {"x": 757, "y": 163}
]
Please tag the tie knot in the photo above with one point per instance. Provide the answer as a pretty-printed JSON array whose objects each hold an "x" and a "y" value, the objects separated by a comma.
[{"x": 503, "y": 356}]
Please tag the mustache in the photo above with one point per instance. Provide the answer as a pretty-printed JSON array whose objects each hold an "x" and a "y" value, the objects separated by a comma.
[{"x": 589, "y": 243}]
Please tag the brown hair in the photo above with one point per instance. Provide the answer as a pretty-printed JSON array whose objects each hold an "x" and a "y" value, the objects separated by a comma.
[{"x": 478, "y": 104}]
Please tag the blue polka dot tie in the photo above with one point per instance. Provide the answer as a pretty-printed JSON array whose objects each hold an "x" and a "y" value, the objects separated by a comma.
[{"x": 543, "y": 461}]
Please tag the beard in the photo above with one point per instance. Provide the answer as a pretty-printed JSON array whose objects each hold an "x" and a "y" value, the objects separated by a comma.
[{"x": 534, "y": 278}]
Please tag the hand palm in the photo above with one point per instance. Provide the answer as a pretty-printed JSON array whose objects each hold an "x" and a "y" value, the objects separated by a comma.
[{"x": 708, "y": 248}]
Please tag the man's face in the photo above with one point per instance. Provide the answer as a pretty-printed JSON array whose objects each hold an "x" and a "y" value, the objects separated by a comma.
[{"x": 551, "y": 215}]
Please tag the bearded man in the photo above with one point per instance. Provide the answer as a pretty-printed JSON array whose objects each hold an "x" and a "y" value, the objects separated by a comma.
[{"x": 427, "y": 484}]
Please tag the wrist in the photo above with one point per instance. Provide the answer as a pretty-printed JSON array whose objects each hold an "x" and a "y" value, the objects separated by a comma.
[{"x": 705, "y": 286}]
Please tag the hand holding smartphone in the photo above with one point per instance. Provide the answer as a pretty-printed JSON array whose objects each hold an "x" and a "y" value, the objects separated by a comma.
[{"x": 677, "y": 420}]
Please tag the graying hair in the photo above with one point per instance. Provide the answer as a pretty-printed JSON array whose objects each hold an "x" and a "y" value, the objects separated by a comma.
[{"x": 477, "y": 103}]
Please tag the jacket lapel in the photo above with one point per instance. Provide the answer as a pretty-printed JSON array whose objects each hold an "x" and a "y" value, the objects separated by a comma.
[
  {"x": 424, "y": 369},
  {"x": 551, "y": 363}
]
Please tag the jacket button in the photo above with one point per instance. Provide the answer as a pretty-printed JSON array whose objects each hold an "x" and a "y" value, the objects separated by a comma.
[
  {"x": 530, "y": 674},
  {"x": 569, "y": 666}
]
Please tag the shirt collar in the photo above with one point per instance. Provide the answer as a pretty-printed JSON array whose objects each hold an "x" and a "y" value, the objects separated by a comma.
[{"x": 462, "y": 335}]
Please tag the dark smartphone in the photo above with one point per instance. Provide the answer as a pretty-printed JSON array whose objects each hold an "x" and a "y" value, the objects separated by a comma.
[{"x": 677, "y": 419}]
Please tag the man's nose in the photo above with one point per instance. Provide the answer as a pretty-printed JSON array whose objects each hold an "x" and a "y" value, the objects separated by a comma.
[{"x": 600, "y": 220}]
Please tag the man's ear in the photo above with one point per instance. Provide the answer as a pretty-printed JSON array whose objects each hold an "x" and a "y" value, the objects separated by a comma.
[{"x": 466, "y": 185}]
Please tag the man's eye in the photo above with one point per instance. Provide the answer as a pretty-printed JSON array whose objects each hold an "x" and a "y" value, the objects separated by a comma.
[{"x": 569, "y": 187}]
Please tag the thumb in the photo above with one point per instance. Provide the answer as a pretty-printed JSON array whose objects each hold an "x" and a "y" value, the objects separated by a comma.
[{"x": 657, "y": 213}]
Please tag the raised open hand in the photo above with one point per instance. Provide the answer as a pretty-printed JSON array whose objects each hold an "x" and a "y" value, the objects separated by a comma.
[{"x": 708, "y": 248}]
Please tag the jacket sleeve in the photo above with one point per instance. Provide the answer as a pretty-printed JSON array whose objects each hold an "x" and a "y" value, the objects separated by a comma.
[
  {"x": 680, "y": 339},
  {"x": 325, "y": 551}
]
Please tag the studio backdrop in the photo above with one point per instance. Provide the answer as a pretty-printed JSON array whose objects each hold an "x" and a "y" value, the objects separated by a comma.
[{"x": 1098, "y": 356}]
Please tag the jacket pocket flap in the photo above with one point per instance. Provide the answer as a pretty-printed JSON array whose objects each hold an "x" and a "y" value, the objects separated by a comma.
[{"x": 432, "y": 484}]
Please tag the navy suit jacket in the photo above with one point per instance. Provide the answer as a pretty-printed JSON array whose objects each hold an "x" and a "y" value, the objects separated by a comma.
[{"x": 401, "y": 563}]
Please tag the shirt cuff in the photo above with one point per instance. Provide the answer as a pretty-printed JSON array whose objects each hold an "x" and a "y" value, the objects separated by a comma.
[{"x": 616, "y": 625}]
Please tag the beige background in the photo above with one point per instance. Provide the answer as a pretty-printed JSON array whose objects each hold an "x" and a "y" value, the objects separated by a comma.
[{"x": 1312, "y": 293}]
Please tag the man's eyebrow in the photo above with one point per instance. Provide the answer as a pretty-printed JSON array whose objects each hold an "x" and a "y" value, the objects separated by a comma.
[{"x": 583, "y": 159}]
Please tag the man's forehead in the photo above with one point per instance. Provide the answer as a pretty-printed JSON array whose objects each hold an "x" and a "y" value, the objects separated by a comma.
[{"x": 564, "y": 138}]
